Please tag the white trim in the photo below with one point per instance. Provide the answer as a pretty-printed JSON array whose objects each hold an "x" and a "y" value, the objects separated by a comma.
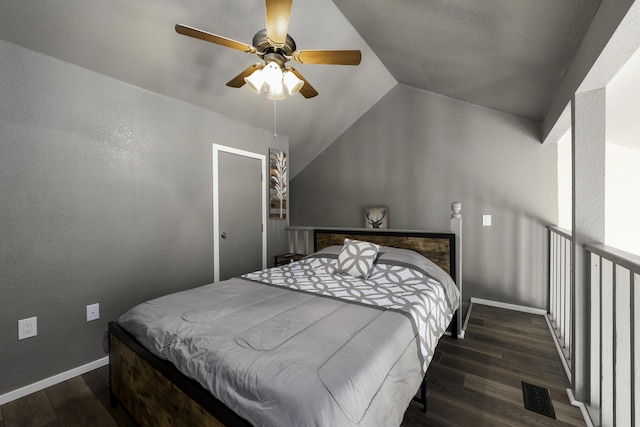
[
  {"x": 466, "y": 319},
  {"x": 567, "y": 368},
  {"x": 460, "y": 336},
  {"x": 216, "y": 214},
  {"x": 582, "y": 406},
  {"x": 56, "y": 379},
  {"x": 449, "y": 334},
  {"x": 514, "y": 307}
]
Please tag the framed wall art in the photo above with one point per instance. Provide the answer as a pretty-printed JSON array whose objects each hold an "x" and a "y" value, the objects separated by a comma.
[
  {"x": 278, "y": 184},
  {"x": 376, "y": 217}
]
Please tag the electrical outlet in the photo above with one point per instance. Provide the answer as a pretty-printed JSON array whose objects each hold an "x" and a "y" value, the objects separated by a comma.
[
  {"x": 486, "y": 220},
  {"x": 27, "y": 328},
  {"x": 93, "y": 312}
]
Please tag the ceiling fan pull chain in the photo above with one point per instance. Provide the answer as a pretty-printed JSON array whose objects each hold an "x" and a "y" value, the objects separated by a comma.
[{"x": 275, "y": 123}]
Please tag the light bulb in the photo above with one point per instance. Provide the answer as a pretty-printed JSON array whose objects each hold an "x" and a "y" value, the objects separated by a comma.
[
  {"x": 272, "y": 73},
  {"x": 276, "y": 91},
  {"x": 255, "y": 81},
  {"x": 292, "y": 82}
]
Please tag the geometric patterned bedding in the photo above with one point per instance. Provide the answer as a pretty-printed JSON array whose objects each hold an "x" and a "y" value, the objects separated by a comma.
[{"x": 417, "y": 288}]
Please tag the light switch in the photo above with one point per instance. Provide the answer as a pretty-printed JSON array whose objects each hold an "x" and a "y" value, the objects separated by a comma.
[
  {"x": 486, "y": 220},
  {"x": 93, "y": 312}
]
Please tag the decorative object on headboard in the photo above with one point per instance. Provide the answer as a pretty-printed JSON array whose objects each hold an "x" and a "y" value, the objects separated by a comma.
[
  {"x": 456, "y": 208},
  {"x": 376, "y": 217},
  {"x": 278, "y": 186}
]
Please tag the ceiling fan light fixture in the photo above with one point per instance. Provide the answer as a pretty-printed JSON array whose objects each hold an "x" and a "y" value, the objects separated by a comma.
[
  {"x": 275, "y": 47},
  {"x": 272, "y": 74},
  {"x": 292, "y": 82},
  {"x": 255, "y": 81},
  {"x": 276, "y": 91}
]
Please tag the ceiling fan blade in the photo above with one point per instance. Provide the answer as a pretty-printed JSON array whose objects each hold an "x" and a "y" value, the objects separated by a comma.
[
  {"x": 307, "y": 90},
  {"x": 223, "y": 41},
  {"x": 238, "y": 81},
  {"x": 334, "y": 57},
  {"x": 278, "y": 13}
]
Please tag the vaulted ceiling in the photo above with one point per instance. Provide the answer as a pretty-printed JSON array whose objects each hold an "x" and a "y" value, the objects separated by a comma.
[{"x": 508, "y": 55}]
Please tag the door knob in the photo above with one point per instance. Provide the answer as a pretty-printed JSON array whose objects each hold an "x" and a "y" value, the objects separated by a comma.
[{"x": 224, "y": 235}]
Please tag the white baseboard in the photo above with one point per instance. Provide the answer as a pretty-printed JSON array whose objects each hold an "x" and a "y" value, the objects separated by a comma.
[
  {"x": 56, "y": 379},
  {"x": 514, "y": 307},
  {"x": 582, "y": 406},
  {"x": 567, "y": 369}
]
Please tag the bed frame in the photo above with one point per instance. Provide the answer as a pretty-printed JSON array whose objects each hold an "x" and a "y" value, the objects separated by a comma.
[{"x": 155, "y": 393}]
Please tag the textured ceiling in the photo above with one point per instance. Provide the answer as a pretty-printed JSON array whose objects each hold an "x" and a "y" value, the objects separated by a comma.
[{"x": 509, "y": 55}]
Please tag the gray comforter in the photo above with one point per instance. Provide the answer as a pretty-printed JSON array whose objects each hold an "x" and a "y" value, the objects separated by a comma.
[{"x": 301, "y": 345}]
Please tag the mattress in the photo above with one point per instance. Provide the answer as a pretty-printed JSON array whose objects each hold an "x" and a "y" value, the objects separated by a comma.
[{"x": 304, "y": 345}]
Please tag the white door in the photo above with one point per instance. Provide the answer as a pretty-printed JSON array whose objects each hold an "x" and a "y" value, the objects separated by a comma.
[{"x": 239, "y": 212}]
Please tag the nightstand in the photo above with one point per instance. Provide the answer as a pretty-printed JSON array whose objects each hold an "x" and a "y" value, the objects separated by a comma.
[{"x": 287, "y": 258}]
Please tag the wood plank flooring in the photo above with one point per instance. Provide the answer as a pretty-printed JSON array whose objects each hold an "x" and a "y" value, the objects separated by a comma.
[
  {"x": 472, "y": 382},
  {"x": 477, "y": 381}
]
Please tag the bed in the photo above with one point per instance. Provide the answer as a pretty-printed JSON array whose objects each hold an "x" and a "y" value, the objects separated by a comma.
[{"x": 300, "y": 344}]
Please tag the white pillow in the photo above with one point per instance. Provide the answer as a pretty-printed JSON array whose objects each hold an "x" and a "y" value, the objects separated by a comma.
[{"x": 356, "y": 258}]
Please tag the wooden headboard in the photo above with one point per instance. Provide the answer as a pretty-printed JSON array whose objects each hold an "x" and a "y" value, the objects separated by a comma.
[{"x": 438, "y": 247}]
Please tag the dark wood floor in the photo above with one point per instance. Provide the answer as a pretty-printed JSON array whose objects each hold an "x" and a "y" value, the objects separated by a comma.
[
  {"x": 472, "y": 382},
  {"x": 477, "y": 381}
]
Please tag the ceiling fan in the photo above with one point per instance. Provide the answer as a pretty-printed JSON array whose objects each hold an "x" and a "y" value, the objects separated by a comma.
[{"x": 275, "y": 47}]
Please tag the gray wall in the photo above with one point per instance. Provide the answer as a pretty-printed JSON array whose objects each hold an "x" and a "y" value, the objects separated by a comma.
[
  {"x": 416, "y": 152},
  {"x": 106, "y": 197}
]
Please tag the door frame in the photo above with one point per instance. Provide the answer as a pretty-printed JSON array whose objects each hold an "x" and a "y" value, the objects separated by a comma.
[{"x": 216, "y": 148}]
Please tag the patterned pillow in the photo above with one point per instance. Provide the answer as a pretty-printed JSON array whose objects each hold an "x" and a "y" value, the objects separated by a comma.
[{"x": 356, "y": 258}]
